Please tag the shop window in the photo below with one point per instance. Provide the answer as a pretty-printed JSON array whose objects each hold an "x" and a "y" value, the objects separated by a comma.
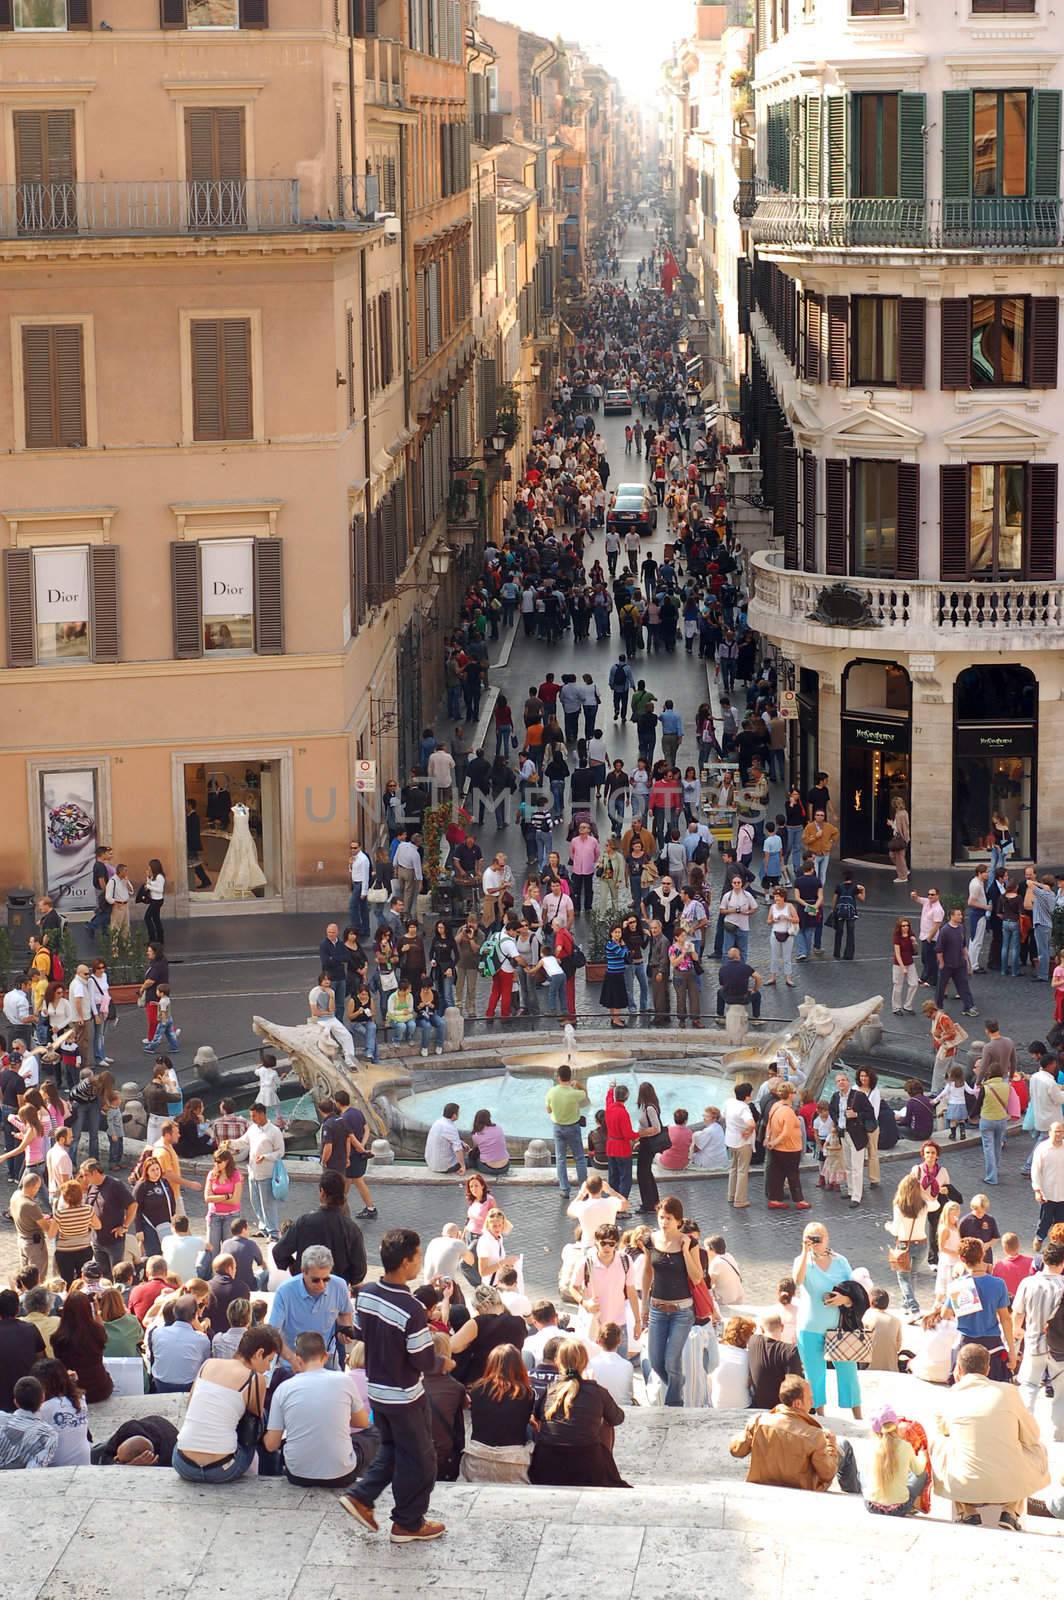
[
  {"x": 228, "y": 595},
  {"x": 878, "y": 686},
  {"x": 996, "y": 529},
  {"x": 999, "y": 142},
  {"x": 875, "y": 339},
  {"x": 876, "y": 131},
  {"x": 998, "y": 339},
  {"x": 1000, "y": 694},
  {"x": 995, "y": 760},
  {"x": 875, "y": 521},
  {"x": 41, "y": 16}
]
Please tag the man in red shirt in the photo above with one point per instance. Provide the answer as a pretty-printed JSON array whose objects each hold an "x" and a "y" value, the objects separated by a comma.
[
  {"x": 144, "y": 1296},
  {"x": 621, "y": 1137}
]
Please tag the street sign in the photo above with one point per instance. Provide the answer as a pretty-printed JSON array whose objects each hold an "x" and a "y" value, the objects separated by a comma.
[
  {"x": 365, "y": 777},
  {"x": 789, "y": 705}
]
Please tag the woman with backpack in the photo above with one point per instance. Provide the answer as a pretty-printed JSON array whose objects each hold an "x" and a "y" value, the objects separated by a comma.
[{"x": 844, "y": 915}]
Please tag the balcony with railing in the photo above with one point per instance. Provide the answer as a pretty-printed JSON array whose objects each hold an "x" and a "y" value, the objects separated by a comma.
[
  {"x": 922, "y": 615},
  {"x": 170, "y": 207},
  {"x": 896, "y": 224},
  {"x": 384, "y": 72}
]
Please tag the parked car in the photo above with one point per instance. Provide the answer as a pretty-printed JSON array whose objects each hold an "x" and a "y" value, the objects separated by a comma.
[
  {"x": 618, "y": 402},
  {"x": 633, "y": 504}
]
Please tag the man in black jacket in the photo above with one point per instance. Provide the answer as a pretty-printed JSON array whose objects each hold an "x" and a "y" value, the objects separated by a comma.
[
  {"x": 332, "y": 959},
  {"x": 331, "y": 1226},
  {"x": 851, "y": 1112}
]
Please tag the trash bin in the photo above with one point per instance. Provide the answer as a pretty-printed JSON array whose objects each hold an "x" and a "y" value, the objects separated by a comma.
[{"x": 21, "y": 916}]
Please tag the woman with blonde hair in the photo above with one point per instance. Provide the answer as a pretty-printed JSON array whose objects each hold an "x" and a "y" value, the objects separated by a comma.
[
  {"x": 575, "y": 1442},
  {"x": 909, "y": 1227},
  {"x": 897, "y": 1475}
]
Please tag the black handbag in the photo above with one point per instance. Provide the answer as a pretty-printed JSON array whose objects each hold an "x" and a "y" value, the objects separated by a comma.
[{"x": 251, "y": 1427}]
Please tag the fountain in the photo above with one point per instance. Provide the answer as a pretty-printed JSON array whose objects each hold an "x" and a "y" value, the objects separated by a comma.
[{"x": 319, "y": 1065}]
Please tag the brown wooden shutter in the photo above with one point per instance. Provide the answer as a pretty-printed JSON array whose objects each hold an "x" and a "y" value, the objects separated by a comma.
[
  {"x": 207, "y": 417},
  {"x": 351, "y": 407},
  {"x": 359, "y": 573},
  {"x": 214, "y": 143},
  {"x": 6, "y": 19},
  {"x": 786, "y": 508},
  {"x": 172, "y": 13},
  {"x": 186, "y": 599},
  {"x": 1043, "y": 341},
  {"x": 838, "y": 339},
  {"x": 44, "y": 147},
  {"x": 254, "y": 14},
  {"x": 809, "y": 511},
  {"x": 814, "y": 317},
  {"x": 53, "y": 377},
  {"x": 79, "y": 14},
  {"x": 18, "y": 606},
  {"x": 1042, "y": 520},
  {"x": 908, "y": 557},
  {"x": 956, "y": 344},
  {"x": 269, "y": 597},
  {"x": 912, "y": 342},
  {"x": 953, "y": 523},
  {"x": 837, "y": 507},
  {"x": 221, "y": 379},
  {"x": 103, "y": 601}
]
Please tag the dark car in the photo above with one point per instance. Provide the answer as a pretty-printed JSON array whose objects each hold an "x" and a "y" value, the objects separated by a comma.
[
  {"x": 633, "y": 505},
  {"x": 618, "y": 402}
]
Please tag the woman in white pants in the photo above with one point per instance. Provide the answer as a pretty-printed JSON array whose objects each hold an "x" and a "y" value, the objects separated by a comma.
[
  {"x": 782, "y": 917},
  {"x": 904, "y": 973}
]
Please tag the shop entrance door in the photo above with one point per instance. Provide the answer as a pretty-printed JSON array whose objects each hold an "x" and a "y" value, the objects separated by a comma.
[{"x": 872, "y": 775}]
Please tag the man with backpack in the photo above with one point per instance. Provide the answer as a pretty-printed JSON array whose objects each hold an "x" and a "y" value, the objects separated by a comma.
[
  {"x": 499, "y": 961},
  {"x": 604, "y": 1285},
  {"x": 622, "y": 682}
]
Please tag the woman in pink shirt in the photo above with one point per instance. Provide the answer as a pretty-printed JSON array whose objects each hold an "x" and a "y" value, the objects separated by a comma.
[
  {"x": 479, "y": 1201},
  {"x": 489, "y": 1150},
  {"x": 676, "y": 1157}
]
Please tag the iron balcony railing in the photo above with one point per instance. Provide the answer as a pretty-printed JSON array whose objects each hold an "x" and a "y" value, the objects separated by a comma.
[
  {"x": 164, "y": 206},
  {"x": 1005, "y": 224}
]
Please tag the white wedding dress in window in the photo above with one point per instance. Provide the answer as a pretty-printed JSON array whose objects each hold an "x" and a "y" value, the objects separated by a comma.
[{"x": 241, "y": 873}]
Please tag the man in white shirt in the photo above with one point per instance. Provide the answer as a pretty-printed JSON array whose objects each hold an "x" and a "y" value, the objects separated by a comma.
[
  {"x": 444, "y": 1150},
  {"x": 507, "y": 1283},
  {"x": 265, "y": 1148},
  {"x": 545, "y": 1327},
  {"x": 740, "y": 1128},
  {"x": 725, "y": 1279},
  {"x": 977, "y": 912},
  {"x": 58, "y": 1165},
  {"x": 408, "y": 869},
  {"x": 595, "y": 1204},
  {"x": 609, "y": 1367},
  {"x": 18, "y": 1012},
  {"x": 322, "y": 1001},
  {"x": 708, "y": 1148},
  {"x": 359, "y": 868},
  {"x": 314, "y": 1413},
  {"x": 737, "y": 907},
  {"x": 1036, "y": 1299},
  {"x": 81, "y": 1005},
  {"x": 498, "y": 880},
  {"x": 181, "y": 1249},
  {"x": 440, "y": 769},
  {"x": 119, "y": 895},
  {"x": 1047, "y": 1181},
  {"x": 502, "y": 983},
  {"x": 446, "y": 1253}
]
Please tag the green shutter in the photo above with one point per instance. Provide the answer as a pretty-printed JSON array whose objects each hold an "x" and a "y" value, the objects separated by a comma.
[
  {"x": 912, "y": 119},
  {"x": 838, "y": 145},
  {"x": 1045, "y": 144},
  {"x": 812, "y": 146},
  {"x": 793, "y": 129},
  {"x": 956, "y": 144}
]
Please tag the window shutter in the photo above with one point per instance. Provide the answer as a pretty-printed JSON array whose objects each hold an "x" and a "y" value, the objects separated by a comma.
[
  {"x": 221, "y": 379},
  {"x": 1042, "y": 520},
  {"x": 254, "y": 13},
  {"x": 745, "y": 292},
  {"x": 53, "y": 379},
  {"x": 956, "y": 344},
  {"x": 186, "y": 599},
  {"x": 1045, "y": 143},
  {"x": 956, "y": 144},
  {"x": 953, "y": 523},
  {"x": 837, "y": 507},
  {"x": 236, "y": 351},
  {"x": 908, "y": 559},
  {"x": 912, "y": 342},
  {"x": 912, "y": 119},
  {"x": 269, "y": 597},
  {"x": 69, "y": 385},
  {"x": 358, "y": 572},
  {"x": 838, "y": 144},
  {"x": 809, "y": 511},
  {"x": 38, "y": 388},
  {"x": 18, "y": 605},
  {"x": 838, "y": 339},
  {"x": 793, "y": 128},
  {"x": 374, "y": 561},
  {"x": 813, "y": 163},
  {"x": 814, "y": 317},
  {"x": 1044, "y": 338},
  {"x": 785, "y": 515},
  {"x": 79, "y": 14},
  {"x": 103, "y": 601},
  {"x": 6, "y": 21},
  {"x": 172, "y": 13},
  {"x": 386, "y": 534},
  {"x": 422, "y": 340}
]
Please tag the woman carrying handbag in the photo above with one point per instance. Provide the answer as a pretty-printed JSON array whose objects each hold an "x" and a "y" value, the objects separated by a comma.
[{"x": 909, "y": 1227}]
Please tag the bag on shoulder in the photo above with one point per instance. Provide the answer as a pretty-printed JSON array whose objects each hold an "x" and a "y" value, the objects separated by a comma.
[
  {"x": 490, "y": 959},
  {"x": 1055, "y": 1332},
  {"x": 57, "y": 966}
]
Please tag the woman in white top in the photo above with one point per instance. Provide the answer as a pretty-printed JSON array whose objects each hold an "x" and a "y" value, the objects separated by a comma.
[
  {"x": 491, "y": 1252},
  {"x": 57, "y": 1009},
  {"x": 269, "y": 1083},
  {"x": 155, "y": 888},
  {"x": 707, "y": 1147},
  {"x": 782, "y": 918},
  {"x": 208, "y": 1449},
  {"x": 729, "y": 1384},
  {"x": 868, "y": 1082},
  {"x": 64, "y": 1407}
]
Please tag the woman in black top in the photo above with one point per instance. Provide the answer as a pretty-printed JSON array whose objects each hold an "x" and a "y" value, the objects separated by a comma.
[
  {"x": 500, "y": 1414},
  {"x": 412, "y": 957},
  {"x": 574, "y": 1445},
  {"x": 673, "y": 1264},
  {"x": 490, "y": 1326},
  {"x": 191, "y": 1140},
  {"x": 158, "y": 971},
  {"x": 155, "y": 1207},
  {"x": 443, "y": 963}
]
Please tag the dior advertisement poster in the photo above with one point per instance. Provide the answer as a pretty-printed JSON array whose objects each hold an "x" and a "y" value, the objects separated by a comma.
[{"x": 68, "y": 826}]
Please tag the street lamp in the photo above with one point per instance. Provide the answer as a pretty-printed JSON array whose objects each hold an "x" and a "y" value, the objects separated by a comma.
[
  {"x": 440, "y": 558},
  {"x": 499, "y": 443}
]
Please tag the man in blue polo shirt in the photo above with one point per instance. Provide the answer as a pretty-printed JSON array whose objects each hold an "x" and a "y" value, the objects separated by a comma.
[{"x": 315, "y": 1302}]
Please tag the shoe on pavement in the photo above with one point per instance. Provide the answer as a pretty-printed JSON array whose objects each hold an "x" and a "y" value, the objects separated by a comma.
[
  {"x": 427, "y": 1530},
  {"x": 802, "y": 1205},
  {"x": 971, "y": 1012},
  {"x": 360, "y": 1511},
  {"x": 854, "y": 1204},
  {"x": 1037, "y": 1508},
  {"x": 367, "y": 1214},
  {"x": 1009, "y": 1519},
  {"x": 439, "y": 1049},
  {"x": 424, "y": 1051},
  {"x": 971, "y": 1522},
  {"x": 779, "y": 1205}
]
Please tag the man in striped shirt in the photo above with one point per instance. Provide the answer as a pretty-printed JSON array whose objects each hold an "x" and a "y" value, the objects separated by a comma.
[{"x": 394, "y": 1329}]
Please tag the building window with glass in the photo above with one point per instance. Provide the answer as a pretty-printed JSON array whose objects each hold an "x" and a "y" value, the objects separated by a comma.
[
  {"x": 41, "y": 16},
  {"x": 877, "y": 8},
  {"x": 876, "y": 131},
  {"x": 996, "y": 525},
  {"x": 999, "y": 142},
  {"x": 995, "y": 749},
  {"x": 61, "y": 605},
  {"x": 875, "y": 339},
  {"x": 227, "y": 584},
  {"x": 998, "y": 340},
  {"x": 875, "y": 518}
]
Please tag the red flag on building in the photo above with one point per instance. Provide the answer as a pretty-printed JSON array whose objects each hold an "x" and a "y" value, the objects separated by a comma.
[{"x": 669, "y": 272}]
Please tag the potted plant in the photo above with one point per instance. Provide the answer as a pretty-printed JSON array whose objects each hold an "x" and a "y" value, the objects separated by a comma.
[{"x": 125, "y": 950}]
